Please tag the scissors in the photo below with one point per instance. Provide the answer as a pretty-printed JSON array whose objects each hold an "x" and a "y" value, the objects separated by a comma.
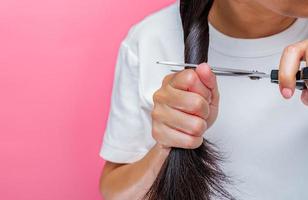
[{"x": 301, "y": 76}]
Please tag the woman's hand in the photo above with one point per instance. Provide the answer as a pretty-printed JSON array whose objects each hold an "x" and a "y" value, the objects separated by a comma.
[
  {"x": 289, "y": 65},
  {"x": 185, "y": 107}
]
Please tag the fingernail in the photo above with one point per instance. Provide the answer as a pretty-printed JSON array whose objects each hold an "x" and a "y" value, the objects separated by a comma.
[{"x": 287, "y": 93}]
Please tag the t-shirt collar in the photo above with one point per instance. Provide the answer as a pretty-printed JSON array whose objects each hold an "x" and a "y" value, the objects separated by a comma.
[{"x": 261, "y": 46}]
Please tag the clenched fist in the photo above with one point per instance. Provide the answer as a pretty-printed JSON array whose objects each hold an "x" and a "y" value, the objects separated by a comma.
[{"x": 185, "y": 106}]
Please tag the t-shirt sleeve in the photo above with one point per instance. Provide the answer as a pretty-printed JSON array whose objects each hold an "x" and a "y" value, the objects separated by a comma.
[{"x": 124, "y": 131}]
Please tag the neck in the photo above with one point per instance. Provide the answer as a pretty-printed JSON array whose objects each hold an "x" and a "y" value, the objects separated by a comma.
[{"x": 247, "y": 19}]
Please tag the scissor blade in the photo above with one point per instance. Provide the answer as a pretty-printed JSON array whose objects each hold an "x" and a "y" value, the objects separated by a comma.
[
  {"x": 251, "y": 76},
  {"x": 222, "y": 69},
  {"x": 176, "y": 64}
]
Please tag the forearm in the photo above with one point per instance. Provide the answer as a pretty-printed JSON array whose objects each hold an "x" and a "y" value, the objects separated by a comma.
[{"x": 132, "y": 181}]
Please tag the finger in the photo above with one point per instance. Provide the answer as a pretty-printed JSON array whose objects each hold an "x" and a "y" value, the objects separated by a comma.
[
  {"x": 289, "y": 66},
  {"x": 180, "y": 121},
  {"x": 188, "y": 102},
  {"x": 168, "y": 78},
  {"x": 304, "y": 97},
  {"x": 188, "y": 80},
  {"x": 208, "y": 78},
  {"x": 173, "y": 138}
]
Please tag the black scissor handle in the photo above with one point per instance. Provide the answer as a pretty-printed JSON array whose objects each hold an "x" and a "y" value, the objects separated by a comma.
[
  {"x": 305, "y": 73},
  {"x": 301, "y": 76}
]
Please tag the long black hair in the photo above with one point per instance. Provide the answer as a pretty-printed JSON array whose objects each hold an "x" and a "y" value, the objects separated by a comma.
[{"x": 192, "y": 174}]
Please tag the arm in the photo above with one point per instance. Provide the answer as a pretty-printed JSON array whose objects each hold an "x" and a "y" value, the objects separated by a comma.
[{"x": 131, "y": 181}]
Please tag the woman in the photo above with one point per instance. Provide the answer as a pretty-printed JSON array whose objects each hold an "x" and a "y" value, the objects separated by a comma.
[{"x": 263, "y": 136}]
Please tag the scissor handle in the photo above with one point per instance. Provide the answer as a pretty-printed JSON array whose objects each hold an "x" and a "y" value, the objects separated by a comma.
[
  {"x": 299, "y": 85},
  {"x": 305, "y": 73},
  {"x": 301, "y": 76}
]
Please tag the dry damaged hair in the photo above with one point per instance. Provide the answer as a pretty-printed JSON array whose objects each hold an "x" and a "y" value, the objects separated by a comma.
[{"x": 192, "y": 174}]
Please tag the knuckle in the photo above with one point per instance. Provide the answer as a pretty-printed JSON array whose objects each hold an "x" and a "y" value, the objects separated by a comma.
[
  {"x": 198, "y": 127},
  {"x": 198, "y": 104},
  {"x": 169, "y": 89},
  {"x": 167, "y": 79},
  {"x": 193, "y": 142},
  {"x": 190, "y": 143},
  {"x": 291, "y": 49},
  {"x": 155, "y": 96},
  {"x": 155, "y": 114},
  {"x": 158, "y": 96}
]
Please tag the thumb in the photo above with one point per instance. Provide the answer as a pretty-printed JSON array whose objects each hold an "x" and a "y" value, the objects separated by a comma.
[{"x": 208, "y": 78}]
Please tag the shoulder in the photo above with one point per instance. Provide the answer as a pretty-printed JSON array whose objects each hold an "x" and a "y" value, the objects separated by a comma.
[
  {"x": 156, "y": 26},
  {"x": 157, "y": 37}
]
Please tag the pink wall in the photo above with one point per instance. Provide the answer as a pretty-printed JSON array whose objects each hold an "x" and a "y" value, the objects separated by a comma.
[{"x": 56, "y": 70}]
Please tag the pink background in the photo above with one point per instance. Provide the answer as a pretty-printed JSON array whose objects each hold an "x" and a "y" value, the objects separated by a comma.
[{"x": 56, "y": 70}]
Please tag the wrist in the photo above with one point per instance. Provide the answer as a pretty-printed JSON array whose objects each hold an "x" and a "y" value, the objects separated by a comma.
[{"x": 161, "y": 152}]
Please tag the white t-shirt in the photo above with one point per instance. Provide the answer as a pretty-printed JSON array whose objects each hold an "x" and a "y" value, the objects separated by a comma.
[{"x": 263, "y": 136}]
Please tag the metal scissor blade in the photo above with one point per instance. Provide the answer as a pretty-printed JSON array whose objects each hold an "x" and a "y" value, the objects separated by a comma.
[
  {"x": 238, "y": 71},
  {"x": 250, "y": 75},
  {"x": 220, "y": 71},
  {"x": 176, "y": 64}
]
